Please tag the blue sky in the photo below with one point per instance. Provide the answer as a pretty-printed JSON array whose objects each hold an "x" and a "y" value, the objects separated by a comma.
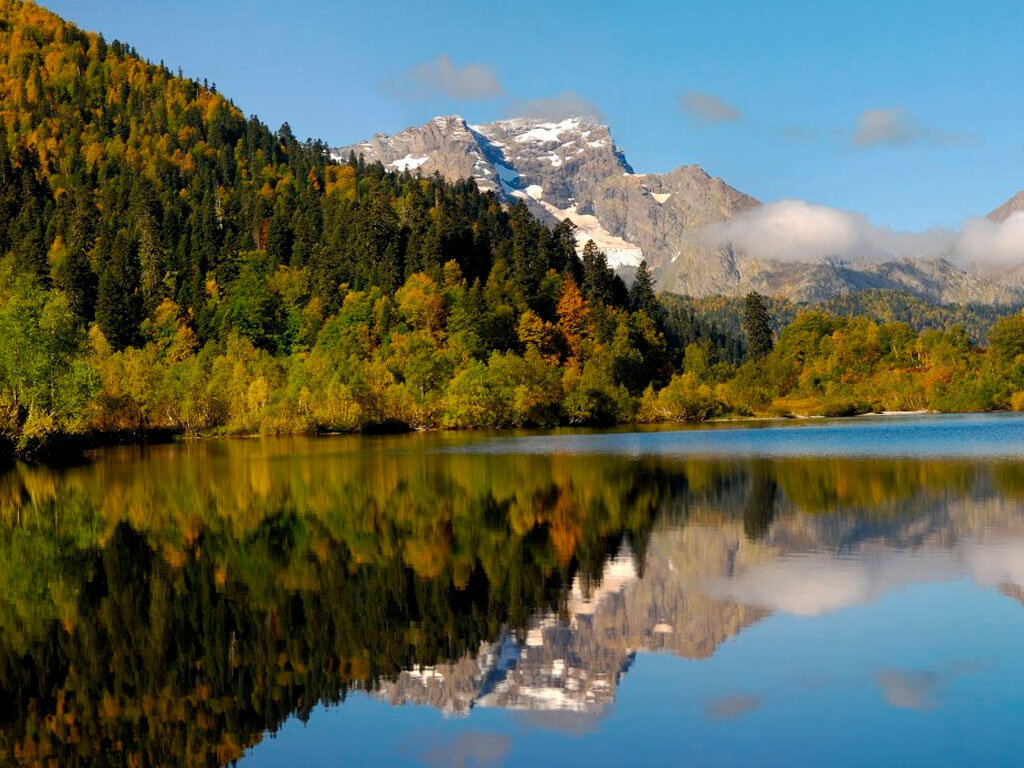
[{"x": 769, "y": 96}]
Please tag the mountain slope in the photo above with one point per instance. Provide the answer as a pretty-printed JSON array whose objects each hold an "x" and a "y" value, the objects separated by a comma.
[
  {"x": 1014, "y": 205},
  {"x": 573, "y": 169},
  {"x": 567, "y": 169}
]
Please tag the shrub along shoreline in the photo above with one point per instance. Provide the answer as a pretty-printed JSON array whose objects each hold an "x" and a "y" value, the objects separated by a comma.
[{"x": 414, "y": 360}]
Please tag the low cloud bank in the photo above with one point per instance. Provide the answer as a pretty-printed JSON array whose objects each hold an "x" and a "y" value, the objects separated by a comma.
[
  {"x": 794, "y": 230},
  {"x": 984, "y": 241}
]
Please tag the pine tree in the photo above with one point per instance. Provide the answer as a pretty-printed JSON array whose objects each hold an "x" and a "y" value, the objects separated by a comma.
[
  {"x": 641, "y": 293},
  {"x": 596, "y": 276},
  {"x": 78, "y": 281},
  {"x": 563, "y": 249},
  {"x": 757, "y": 326},
  {"x": 118, "y": 304}
]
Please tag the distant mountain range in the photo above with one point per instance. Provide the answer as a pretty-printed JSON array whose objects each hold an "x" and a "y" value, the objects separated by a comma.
[{"x": 573, "y": 169}]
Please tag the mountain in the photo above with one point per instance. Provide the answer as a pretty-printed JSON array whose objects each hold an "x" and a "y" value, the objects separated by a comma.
[
  {"x": 573, "y": 169},
  {"x": 568, "y": 169},
  {"x": 1014, "y": 205}
]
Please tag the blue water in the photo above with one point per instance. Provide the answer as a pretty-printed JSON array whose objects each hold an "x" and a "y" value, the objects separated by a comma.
[
  {"x": 913, "y": 435},
  {"x": 928, "y": 675},
  {"x": 882, "y": 627},
  {"x": 794, "y": 593}
]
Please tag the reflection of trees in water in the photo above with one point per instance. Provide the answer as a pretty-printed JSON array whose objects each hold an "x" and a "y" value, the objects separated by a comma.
[
  {"x": 759, "y": 509},
  {"x": 172, "y": 609}
]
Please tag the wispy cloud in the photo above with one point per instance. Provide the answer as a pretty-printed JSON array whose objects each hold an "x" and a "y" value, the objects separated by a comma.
[
  {"x": 441, "y": 76},
  {"x": 708, "y": 108},
  {"x": 798, "y": 134},
  {"x": 558, "y": 107},
  {"x": 896, "y": 126}
]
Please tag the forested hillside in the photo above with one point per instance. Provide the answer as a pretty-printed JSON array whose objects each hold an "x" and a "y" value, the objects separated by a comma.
[
  {"x": 724, "y": 313},
  {"x": 150, "y": 226},
  {"x": 168, "y": 263}
]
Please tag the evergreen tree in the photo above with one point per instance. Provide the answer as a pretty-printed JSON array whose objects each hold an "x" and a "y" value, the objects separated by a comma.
[
  {"x": 641, "y": 293},
  {"x": 757, "y": 326},
  {"x": 118, "y": 302},
  {"x": 596, "y": 275}
]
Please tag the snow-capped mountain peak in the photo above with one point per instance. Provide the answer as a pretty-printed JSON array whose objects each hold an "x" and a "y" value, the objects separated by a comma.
[{"x": 571, "y": 168}]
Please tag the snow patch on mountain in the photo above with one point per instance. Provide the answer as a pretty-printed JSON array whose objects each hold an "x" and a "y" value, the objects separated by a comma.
[
  {"x": 546, "y": 132},
  {"x": 408, "y": 163},
  {"x": 620, "y": 253}
]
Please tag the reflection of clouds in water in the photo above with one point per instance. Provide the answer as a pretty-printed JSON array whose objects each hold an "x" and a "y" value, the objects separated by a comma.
[
  {"x": 996, "y": 563},
  {"x": 465, "y": 749},
  {"x": 910, "y": 689},
  {"x": 810, "y": 585},
  {"x": 920, "y": 689},
  {"x": 730, "y": 707},
  {"x": 570, "y": 723}
]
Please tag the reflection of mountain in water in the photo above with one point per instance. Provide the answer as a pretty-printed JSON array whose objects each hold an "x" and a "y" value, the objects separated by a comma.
[
  {"x": 573, "y": 662},
  {"x": 704, "y": 583},
  {"x": 249, "y": 581},
  {"x": 559, "y": 664}
]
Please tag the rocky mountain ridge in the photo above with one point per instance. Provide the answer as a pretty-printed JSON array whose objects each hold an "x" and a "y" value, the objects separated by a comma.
[{"x": 573, "y": 169}]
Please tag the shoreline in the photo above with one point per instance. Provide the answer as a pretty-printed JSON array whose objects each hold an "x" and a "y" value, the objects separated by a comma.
[{"x": 72, "y": 449}]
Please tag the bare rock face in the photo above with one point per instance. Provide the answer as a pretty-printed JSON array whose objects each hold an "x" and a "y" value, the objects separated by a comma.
[
  {"x": 569, "y": 169},
  {"x": 1010, "y": 207},
  {"x": 572, "y": 169}
]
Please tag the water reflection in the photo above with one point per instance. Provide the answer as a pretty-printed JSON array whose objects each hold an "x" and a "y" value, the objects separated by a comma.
[{"x": 171, "y": 606}]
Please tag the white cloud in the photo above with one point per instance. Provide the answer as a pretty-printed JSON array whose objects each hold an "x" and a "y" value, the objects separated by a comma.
[
  {"x": 708, "y": 108},
  {"x": 988, "y": 242},
  {"x": 794, "y": 230},
  {"x": 441, "y": 76}
]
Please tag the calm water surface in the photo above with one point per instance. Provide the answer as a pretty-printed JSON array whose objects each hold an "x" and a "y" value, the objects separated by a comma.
[{"x": 814, "y": 593}]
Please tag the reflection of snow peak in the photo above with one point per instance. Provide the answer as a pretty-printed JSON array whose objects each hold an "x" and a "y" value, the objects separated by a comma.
[{"x": 618, "y": 572}]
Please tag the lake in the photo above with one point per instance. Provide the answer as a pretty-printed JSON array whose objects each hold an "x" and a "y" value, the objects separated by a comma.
[{"x": 801, "y": 593}]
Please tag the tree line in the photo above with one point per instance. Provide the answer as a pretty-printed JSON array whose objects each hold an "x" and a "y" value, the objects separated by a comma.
[{"x": 167, "y": 263}]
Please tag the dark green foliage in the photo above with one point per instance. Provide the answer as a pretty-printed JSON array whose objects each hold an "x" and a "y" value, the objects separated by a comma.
[
  {"x": 757, "y": 326},
  {"x": 641, "y": 294},
  {"x": 118, "y": 302},
  {"x": 203, "y": 184},
  {"x": 725, "y": 313}
]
